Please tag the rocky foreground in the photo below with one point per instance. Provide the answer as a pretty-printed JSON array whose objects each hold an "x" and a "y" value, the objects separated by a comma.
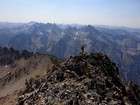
[{"x": 86, "y": 79}]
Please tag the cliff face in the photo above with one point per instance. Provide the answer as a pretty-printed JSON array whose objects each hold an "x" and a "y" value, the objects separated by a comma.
[{"x": 86, "y": 79}]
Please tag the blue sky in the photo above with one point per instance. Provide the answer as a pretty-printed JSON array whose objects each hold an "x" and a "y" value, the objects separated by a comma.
[{"x": 94, "y": 12}]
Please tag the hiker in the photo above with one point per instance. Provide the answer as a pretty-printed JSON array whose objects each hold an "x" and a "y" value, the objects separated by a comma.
[{"x": 82, "y": 48}]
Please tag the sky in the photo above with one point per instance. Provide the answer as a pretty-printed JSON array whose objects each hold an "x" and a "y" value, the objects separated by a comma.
[{"x": 94, "y": 12}]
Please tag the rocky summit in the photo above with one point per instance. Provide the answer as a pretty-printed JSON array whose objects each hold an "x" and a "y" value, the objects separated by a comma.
[{"x": 86, "y": 79}]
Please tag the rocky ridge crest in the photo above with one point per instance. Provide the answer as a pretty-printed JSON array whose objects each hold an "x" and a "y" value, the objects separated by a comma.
[{"x": 86, "y": 79}]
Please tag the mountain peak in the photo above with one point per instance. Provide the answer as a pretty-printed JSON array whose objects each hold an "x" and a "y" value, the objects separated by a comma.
[
  {"x": 84, "y": 79},
  {"x": 90, "y": 28}
]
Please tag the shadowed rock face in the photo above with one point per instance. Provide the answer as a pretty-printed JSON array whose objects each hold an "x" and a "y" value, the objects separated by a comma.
[
  {"x": 8, "y": 55},
  {"x": 86, "y": 79}
]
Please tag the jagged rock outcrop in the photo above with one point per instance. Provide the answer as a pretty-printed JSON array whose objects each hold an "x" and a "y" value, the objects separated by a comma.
[
  {"x": 8, "y": 55},
  {"x": 86, "y": 79}
]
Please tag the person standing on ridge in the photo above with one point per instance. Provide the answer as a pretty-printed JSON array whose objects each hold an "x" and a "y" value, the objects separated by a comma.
[{"x": 82, "y": 48}]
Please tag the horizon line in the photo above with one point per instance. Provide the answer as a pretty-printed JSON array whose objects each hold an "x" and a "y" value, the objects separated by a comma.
[{"x": 95, "y": 25}]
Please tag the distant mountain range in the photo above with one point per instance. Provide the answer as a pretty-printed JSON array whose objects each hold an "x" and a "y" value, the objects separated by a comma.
[{"x": 63, "y": 41}]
